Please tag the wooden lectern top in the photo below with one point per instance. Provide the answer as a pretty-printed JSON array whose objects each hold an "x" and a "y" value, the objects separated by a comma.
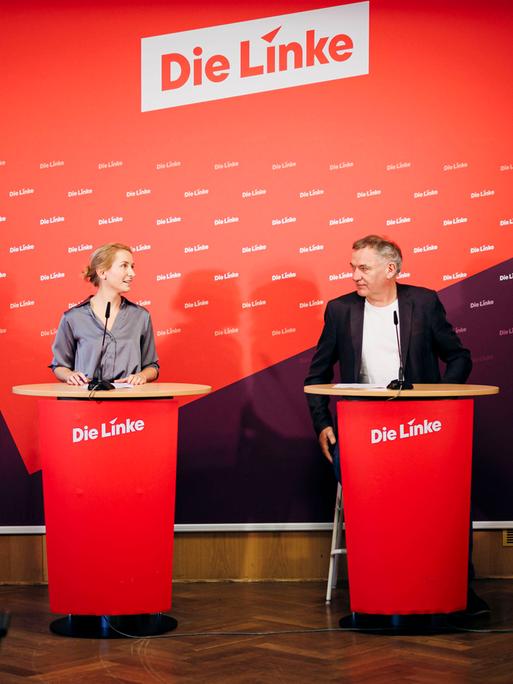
[
  {"x": 146, "y": 391},
  {"x": 419, "y": 390}
]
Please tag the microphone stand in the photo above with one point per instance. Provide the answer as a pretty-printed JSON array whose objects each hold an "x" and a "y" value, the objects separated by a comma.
[
  {"x": 400, "y": 383},
  {"x": 98, "y": 383}
]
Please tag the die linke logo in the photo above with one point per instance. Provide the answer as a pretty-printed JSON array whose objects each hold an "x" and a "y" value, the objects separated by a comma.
[
  {"x": 405, "y": 430},
  {"x": 254, "y": 56},
  {"x": 110, "y": 429}
]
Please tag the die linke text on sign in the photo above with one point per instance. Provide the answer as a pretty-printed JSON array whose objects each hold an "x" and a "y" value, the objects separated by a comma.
[{"x": 177, "y": 68}]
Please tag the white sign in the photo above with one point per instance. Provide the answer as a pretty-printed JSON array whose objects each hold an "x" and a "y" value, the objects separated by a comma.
[{"x": 254, "y": 56}]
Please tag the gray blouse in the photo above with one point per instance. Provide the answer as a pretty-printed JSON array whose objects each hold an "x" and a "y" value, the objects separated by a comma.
[{"x": 129, "y": 346}]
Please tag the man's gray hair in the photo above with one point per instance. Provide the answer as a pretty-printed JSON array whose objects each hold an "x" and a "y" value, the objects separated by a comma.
[{"x": 385, "y": 248}]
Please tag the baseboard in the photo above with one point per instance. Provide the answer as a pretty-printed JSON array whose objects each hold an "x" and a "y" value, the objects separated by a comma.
[{"x": 242, "y": 557}]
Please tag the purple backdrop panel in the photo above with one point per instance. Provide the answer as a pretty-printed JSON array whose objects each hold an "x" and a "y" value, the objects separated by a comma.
[
  {"x": 481, "y": 308},
  {"x": 21, "y": 499},
  {"x": 247, "y": 453}
]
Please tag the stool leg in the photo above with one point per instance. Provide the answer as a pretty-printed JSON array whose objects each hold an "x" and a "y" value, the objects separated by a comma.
[{"x": 336, "y": 539}]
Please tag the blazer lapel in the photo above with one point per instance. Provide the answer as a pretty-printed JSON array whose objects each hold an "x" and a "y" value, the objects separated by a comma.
[
  {"x": 357, "y": 312},
  {"x": 405, "y": 321}
]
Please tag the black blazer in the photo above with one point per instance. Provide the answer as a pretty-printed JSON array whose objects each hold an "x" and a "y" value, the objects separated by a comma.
[{"x": 426, "y": 337}]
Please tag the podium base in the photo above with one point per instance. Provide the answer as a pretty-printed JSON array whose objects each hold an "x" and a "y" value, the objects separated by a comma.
[
  {"x": 400, "y": 624},
  {"x": 4, "y": 623},
  {"x": 113, "y": 627}
]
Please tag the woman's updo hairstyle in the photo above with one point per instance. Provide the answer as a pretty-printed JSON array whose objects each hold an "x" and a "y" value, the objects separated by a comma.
[{"x": 102, "y": 259}]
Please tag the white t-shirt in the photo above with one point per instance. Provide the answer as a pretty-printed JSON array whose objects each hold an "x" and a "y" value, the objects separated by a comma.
[{"x": 380, "y": 355}]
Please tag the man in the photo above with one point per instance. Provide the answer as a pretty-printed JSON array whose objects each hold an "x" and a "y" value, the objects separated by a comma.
[{"x": 359, "y": 333}]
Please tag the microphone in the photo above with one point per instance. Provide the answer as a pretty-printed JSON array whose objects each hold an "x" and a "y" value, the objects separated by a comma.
[
  {"x": 98, "y": 383},
  {"x": 400, "y": 383}
]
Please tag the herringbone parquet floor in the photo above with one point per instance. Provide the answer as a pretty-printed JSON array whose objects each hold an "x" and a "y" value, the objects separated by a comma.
[{"x": 30, "y": 653}]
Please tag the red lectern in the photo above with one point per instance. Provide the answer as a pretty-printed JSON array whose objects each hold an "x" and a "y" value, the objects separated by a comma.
[
  {"x": 406, "y": 474},
  {"x": 109, "y": 473}
]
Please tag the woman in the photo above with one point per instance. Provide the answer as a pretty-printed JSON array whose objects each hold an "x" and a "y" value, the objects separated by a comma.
[{"x": 129, "y": 351}]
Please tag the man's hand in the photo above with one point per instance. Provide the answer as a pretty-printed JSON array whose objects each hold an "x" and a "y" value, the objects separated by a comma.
[{"x": 327, "y": 436}]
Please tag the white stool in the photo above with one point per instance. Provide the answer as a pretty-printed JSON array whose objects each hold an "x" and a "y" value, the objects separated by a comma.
[{"x": 336, "y": 541}]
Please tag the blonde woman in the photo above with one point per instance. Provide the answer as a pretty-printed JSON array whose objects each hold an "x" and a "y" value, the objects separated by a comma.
[{"x": 129, "y": 350}]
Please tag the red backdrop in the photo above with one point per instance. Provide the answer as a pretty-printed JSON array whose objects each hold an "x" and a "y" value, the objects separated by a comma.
[{"x": 420, "y": 148}]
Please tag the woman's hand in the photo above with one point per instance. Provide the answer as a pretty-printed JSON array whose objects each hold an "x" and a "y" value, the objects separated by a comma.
[
  {"x": 76, "y": 378},
  {"x": 134, "y": 379}
]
